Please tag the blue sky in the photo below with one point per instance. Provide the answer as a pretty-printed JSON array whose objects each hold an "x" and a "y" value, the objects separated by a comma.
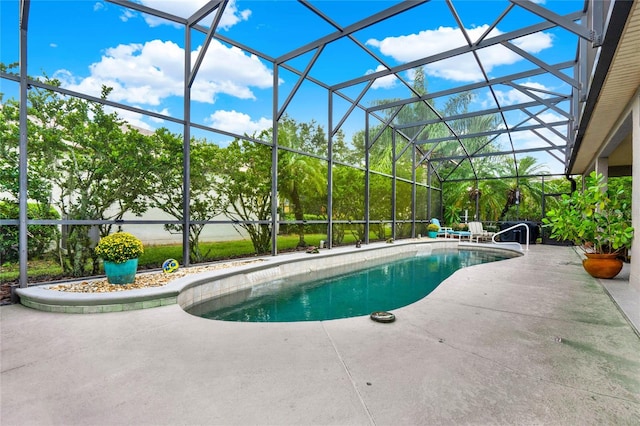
[{"x": 89, "y": 43}]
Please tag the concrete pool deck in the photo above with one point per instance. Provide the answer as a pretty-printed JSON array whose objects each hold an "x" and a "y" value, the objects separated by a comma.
[{"x": 529, "y": 340}]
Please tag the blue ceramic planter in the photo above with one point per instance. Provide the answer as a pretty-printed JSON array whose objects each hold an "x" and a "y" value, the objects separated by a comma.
[
  {"x": 121, "y": 273},
  {"x": 432, "y": 234}
]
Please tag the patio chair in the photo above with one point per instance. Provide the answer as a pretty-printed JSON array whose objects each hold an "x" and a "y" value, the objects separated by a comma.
[
  {"x": 442, "y": 231},
  {"x": 478, "y": 232}
]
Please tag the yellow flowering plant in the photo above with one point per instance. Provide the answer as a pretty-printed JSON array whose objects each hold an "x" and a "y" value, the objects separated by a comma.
[{"x": 119, "y": 247}]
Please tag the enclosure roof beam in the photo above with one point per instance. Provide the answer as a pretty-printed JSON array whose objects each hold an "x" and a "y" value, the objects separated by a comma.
[
  {"x": 500, "y": 178},
  {"x": 40, "y": 84},
  {"x": 206, "y": 10},
  {"x": 150, "y": 10},
  {"x": 474, "y": 86},
  {"x": 353, "y": 106},
  {"x": 491, "y": 132},
  {"x": 495, "y": 153},
  {"x": 24, "y": 14},
  {"x": 457, "y": 51},
  {"x": 203, "y": 51},
  {"x": 371, "y": 20},
  {"x": 550, "y": 69},
  {"x": 546, "y": 125},
  {"x": 480, "y": 113},
  {"x": 540, "y": 100},
  {"x": 361, "y": 46},
  {"x": 301, "y": 79},
  {"x": 559, "y": 20}
]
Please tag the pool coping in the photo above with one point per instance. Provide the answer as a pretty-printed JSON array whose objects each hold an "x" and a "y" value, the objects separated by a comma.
[{"x": 182, "y": 290}]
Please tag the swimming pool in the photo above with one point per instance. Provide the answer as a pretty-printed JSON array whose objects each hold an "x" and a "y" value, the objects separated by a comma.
[{"x": 383, "y": 287}]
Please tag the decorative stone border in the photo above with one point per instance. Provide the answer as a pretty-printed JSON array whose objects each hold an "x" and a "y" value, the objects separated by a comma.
[{"x": 192, "y": 290}]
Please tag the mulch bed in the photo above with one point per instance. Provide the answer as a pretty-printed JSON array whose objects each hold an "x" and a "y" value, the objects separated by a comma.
[{"x": 143, "y": 280}]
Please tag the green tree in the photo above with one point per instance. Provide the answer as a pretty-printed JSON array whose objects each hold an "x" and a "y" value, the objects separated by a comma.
[
  {"x": 38, "y": 190},
  {"x": 167, "y": 184},
  {"x": 244, "y": 186},
  {"x": 348, "y": 202},
  {"x": 38, "y": 169},
  {"x": 101, "y": 173},
  {"x": 94, "y": 161},
  {"x": 449, "y": 159},
  {"x": 302, "y": 179}
]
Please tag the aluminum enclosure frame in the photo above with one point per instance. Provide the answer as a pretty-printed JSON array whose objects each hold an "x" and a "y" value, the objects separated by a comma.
[{"x": 588, "y": 33}]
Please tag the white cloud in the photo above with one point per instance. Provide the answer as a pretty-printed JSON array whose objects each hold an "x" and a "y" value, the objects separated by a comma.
[
  {"x": 534, "y": 43},
  {"x": 98, "y": 6},
  {"x": 184, "y": 8},
  {"x": 126, "y": 15},
  {"x": 413, "y": 46},
  {"x": 514, "y": 96},
  {"x": 426, "y": 43},
  {"x": 238, "y": 122},
  {"x": 386, "y": 82},
  {"x": 164, "y": 111},
  {"x": 230, "y": 71},
  {"x": 134, "y": 119},
  {"x": 232, "y": 15},
  {"x": 53, "y": 45},
  {"x": 139, "y": 121},
  {"x": 461, "y": 68},
  {"x": 528, "y": 139},
  {"x": 551, "y": 117},
  {"x": 150, "y": 72}
]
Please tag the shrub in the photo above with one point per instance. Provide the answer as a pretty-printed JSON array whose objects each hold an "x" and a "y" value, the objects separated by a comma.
[
  {"x": 310, "y": 228},
  {"x": 460, "y": 227},
  {"x": 119, "y": 247},
  {"x": 41, "y": 237}
]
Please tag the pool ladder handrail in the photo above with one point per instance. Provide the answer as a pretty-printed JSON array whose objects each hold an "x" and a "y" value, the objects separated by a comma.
[{"x": 493, "y": 238}]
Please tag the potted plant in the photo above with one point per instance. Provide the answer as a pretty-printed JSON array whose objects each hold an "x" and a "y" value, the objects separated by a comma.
[
  {"x": 120, "y": 252},
  {"x": 432, "y": 230},
  {"x": 597, "y": 221}
]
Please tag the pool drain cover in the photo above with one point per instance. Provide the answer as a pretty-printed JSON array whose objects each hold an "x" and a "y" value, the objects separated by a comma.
[{"x": 382, "y": 316}]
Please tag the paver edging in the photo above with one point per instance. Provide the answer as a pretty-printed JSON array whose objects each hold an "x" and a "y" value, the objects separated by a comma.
[{"x": 184, "y": 290}]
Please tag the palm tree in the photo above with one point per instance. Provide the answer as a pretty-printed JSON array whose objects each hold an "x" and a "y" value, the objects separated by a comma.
[
  {"x": 301, "y": 177},
  {"x": 523, "y": 190}
]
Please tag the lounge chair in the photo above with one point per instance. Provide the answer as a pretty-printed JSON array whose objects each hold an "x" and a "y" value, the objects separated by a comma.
[
  {"x": 460, "y": 234},
  {"x": 449, "y": 232},
  {"x": 478, "y": 233},
  {"x": 442, "y": 231}
]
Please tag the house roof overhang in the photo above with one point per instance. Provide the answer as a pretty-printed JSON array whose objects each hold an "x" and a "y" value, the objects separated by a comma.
[{"x": 604, "y": 129}]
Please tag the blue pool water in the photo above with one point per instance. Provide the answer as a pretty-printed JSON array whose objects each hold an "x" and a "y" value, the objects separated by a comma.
[{"x": 382, "y": 288}]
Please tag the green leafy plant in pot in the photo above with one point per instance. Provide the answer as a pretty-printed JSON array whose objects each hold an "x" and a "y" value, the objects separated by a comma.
[
  {"x": 596, "y": 220},
  {"x": 120, "y": 252}
]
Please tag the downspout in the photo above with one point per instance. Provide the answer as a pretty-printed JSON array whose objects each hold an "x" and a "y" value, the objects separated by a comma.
[{"x": 573, "y": 183}]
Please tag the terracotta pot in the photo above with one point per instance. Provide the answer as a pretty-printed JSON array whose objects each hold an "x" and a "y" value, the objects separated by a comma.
[{"x": 602, "y": 265}]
